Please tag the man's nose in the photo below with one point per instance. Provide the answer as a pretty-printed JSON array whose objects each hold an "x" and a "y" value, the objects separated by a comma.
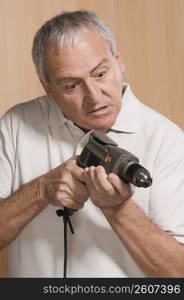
[{"x": 92, "y": 92}]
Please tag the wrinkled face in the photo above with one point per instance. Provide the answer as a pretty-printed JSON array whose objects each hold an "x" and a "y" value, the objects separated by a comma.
[{"x": 85, "y": 80}]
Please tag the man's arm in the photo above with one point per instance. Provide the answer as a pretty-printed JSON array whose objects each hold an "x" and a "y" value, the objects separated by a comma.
[
  {"x": 18, "y": 209},
  {"x": 155, "y": 251},
  {"x": 60, "y": 187}
]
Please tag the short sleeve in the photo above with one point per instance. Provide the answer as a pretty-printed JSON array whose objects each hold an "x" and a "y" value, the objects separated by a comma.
[{"x": 7, "y": 156}]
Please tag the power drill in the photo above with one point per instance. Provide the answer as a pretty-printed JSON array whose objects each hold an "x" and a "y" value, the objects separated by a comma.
[{"x": 101, "y": 150}]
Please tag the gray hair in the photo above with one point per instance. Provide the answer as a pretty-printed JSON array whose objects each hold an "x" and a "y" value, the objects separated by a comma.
[{"x": 67, "y": 28}]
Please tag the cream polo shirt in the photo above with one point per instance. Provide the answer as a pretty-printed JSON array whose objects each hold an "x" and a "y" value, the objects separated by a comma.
[{"x": 35, "y": 137}]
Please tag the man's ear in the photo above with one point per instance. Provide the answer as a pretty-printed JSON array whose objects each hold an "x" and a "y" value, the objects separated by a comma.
[
  {"x": 121, "y": 62},
  {"x": 47, "y": 89}
]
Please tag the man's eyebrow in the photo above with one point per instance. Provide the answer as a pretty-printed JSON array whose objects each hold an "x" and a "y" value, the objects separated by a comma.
[
  {"x": 64, "y": 79},
  {"x": 103, "y": 61}
]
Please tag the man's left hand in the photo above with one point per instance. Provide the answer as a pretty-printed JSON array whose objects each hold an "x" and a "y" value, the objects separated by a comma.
[{"x": 106, "y": 191}]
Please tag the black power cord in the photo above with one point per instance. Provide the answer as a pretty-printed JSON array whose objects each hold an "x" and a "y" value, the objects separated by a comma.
[{"x": 65, "y": 213}]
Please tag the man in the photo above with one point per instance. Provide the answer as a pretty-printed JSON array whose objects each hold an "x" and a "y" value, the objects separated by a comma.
[{"x": 118, "y": 232}]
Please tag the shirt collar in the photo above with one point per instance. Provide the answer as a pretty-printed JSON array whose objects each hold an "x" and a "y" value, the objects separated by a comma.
[
  {"x": 126, "y": 121},
  {"x": 127, "y": 118},
  {"x": 56, "y": 117}
]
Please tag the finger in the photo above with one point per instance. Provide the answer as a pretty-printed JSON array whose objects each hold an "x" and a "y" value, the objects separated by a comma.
[
  {"x": 74, "y": 157},
  {"x": 62, "y": 198},
  {"x": 72, "y": 204},
  {"x": 71, "y": 166},
  {"x": 93, "y": 181},
  {"x": 87, "y": 177},
  {"x": 102, "y": 182},
  {"x": 85, "y": 174},
  {"x": 123, "y": 188},
  {"x": 91, "y": 173},
  {"x": 78, "y": 187},
  {"x": 77, "y": 172},
  {"x": 116, "y": 180},
  {"x": 75, "y": 189}
]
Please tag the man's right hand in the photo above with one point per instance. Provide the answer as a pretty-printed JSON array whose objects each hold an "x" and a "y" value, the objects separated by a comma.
[{"x": 64, "y": 186}]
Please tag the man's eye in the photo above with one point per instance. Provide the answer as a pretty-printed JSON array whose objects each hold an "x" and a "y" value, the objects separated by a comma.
[
  {"x": 101, "y": 74},
  {"x": 70, "y": 87}
]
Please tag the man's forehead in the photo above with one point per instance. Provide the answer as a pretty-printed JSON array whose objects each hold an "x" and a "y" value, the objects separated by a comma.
[{"x": 80, "y": 58}]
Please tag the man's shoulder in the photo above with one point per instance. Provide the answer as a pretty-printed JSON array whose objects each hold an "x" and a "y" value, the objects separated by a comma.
[
  {"x": 31, "y": 105},
  {"x": 30, "y": 110},
  {"x": 159, "y": 130},
  {"x": 158, "y": 121}
]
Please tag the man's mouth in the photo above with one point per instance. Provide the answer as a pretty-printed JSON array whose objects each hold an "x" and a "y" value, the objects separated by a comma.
[{"x": 100, "y": 111}]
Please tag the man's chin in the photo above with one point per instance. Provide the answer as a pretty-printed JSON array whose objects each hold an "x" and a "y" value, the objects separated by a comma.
[{"x": 102, "y": 126}]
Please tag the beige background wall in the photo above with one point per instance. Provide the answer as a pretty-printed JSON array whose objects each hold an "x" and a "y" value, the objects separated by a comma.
[{"x": 150, "y": 34}]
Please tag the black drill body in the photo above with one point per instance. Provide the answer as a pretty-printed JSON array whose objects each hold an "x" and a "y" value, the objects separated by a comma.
[{"x": 101, "y": 150}]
